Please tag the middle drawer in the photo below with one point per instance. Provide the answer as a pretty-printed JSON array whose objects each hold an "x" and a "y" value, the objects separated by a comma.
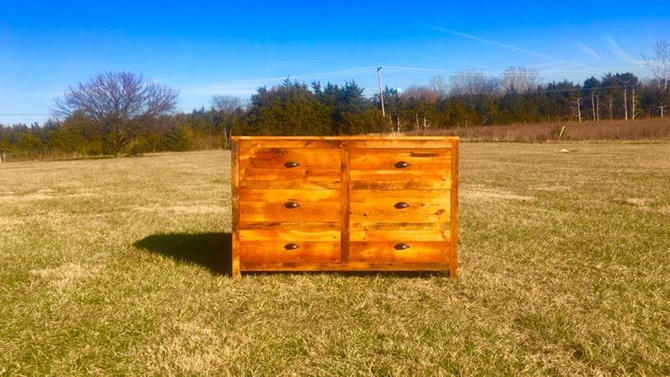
[{"x": 289, "y": 205}]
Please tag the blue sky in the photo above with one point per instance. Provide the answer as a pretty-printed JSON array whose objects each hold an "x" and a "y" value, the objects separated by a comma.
[{"x": 211, "y": 48}]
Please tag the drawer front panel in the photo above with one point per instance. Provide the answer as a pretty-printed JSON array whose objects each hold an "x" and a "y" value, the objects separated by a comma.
[
  {"x": 291, "y": 159},
  {"x": 262, "y": 252},
  {"x": 399, "y": 231},
  {"x": 400, "y": 169},
  {"x": 283, "y": 211},
  {"x": 401, "y": 161},
  {"x": 289, "y": 231},
  {"x": 408, "y": 206},
  {"x": 399, "y": 252}
]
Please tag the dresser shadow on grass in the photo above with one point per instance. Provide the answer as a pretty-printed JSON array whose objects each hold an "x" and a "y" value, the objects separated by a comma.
[{"x": 209, "y": 250}]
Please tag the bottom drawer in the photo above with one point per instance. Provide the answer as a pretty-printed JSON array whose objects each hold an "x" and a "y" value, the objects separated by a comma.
[
  {"x": 262, "y": 252},
  {"x": 399, "y": 251}
]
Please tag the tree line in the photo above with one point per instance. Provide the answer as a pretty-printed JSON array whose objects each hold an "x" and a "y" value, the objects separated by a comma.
[{"x": 121, "y": 113}]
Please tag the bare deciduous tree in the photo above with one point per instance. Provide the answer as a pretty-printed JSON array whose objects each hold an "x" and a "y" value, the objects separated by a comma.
[
  {"x": 659, "y": 63},
  {"x": 519, "y": 79},
  {"x": 225, "y": 106},
  {"x": 470, "y": 82},
  {"x": 123, "y": 103},
  {"x": 438, "y": 85}
]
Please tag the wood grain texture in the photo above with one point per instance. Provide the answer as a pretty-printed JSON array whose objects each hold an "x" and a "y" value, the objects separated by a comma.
[
  {"x": 417, "y": 160},
  {"x": 277, "y": 158},
  {"x": 258, "y": 252},
  {"x": 289, "y": 231},
  {"x": 385, "y": 251},
  {"x": 383, "y": 209},
  {"x": 375, "y": 231},
  {"x": 235, "y": 236},
  {"x": 275, "y": 210},
  {"x": 345, "y": 206},
  {"x": 453, "y": 266},
  {"x": 360, "y": 199}
]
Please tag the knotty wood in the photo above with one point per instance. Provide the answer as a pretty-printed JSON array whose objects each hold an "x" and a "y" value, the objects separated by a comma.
[{"x": 347, "y": 188}]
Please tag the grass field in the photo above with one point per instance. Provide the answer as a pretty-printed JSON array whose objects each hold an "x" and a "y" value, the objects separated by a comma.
[{"x": 116, "y": 266}]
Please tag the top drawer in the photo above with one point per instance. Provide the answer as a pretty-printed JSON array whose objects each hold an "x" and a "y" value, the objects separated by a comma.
[
  {"x": 400, "y": 168},
  {"x": 400, "y": 160},
  {"x": 290, "y": 168},
  {"x": 291, "y": 159}
]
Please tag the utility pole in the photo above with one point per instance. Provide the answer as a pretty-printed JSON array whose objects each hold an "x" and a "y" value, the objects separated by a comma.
[{"x": 381, "y": 94}]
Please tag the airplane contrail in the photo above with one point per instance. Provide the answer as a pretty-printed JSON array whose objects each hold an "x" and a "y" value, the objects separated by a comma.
[{"x": 507, "y": 46}]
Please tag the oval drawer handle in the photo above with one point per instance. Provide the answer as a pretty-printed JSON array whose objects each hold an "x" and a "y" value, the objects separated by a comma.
[
  {"x": 401, "y": 246},
  {"x": 401, "y": 205},
  {"x": 291, "y": 246},
  {"x": 402, "y": 164},
  {"x": 291, "y": 164},
  {"x": 291, "y": 205}
]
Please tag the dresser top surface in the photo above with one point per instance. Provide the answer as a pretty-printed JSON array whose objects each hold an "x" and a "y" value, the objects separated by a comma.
[{"x": 390, "y": 138}]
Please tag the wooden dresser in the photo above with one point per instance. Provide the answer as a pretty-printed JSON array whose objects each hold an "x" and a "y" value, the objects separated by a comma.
[{"x": 345, "y": 204}]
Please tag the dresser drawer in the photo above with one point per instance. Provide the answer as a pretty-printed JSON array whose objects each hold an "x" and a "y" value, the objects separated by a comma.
[
  {"x": 399, "y": 251},
  {"x": 291, "y": 159},
  {"x": 401, "y": 161},
  {"x": 280, "y": 211},
  {"x": 400, "y": 168},
  {"x": 289, "y": 231},
  {"x": 266, "y": 252},
  {"x": 399, "y": 206},
  {"x": 290, "y": 168},
  {"x": 369, "y": 231}
]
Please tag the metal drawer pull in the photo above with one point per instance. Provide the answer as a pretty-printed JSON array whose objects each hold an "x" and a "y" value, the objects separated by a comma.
[
  {"x": 291, "y": 246},
  {"x": 401, "y": 246},
  {"x": 291, "y": 164},
  {"x": 291, "y": 205},
  {"x": 401, "y": 205},
  {"x": 402, "y": 164}
]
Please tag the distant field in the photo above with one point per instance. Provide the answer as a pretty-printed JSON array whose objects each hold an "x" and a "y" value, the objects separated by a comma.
[
  {"x": 624, "y": 130},
  {"x": 116, "y": 266}
]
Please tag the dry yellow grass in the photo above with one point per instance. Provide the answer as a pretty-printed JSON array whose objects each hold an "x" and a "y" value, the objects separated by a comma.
[{"x": 114, "y": 266}]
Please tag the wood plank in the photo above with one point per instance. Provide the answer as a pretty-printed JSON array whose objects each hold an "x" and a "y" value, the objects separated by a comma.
[
  {"x": 384, "y": 210},
  {"x": 453, "y": 256},
  {"x": 385, "y": 251},
  {"x": 276, "y": 158},
  {"x": 421, "y": 159},
  {"x": 306, "y": 183},
  {"x": 289, "y": 231},
  {"x": 366, "y": 196},
  {"x": 351, "y": 266},
  {"x": 283, "y": 195},
  {"x": 276, "y": 211},
  {"x": 235, "y": 236},
  {"x": 441, "y": 143},
  {"x": 307, "y": 143},
  {"x": 400, "y": 232},
  {"x": 297, "y": 174},
  {"x": 345, "y": 206},
  {"x": 399, "y": 180},
  {"x": 255, "y": 252}
]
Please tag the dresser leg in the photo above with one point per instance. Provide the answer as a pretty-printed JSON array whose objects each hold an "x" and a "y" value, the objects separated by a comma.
[{"x": 235, "y": 273}]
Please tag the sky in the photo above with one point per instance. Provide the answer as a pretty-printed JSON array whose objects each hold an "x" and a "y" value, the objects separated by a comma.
[{"x": 211, "y": 48}]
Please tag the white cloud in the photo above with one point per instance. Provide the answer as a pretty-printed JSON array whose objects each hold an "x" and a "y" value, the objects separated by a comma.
[{"x": 587, "y": 50}]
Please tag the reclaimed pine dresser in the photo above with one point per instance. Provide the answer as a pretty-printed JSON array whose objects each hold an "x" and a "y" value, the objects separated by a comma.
[{"x": 344, "y": 204}]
